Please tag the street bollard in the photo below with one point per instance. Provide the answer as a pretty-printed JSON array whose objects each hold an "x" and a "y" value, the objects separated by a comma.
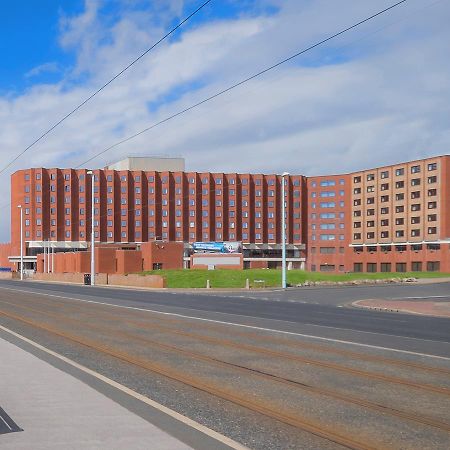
[
  {"x": 208, "y": 284},
  {"x": 247, "y": 284}
]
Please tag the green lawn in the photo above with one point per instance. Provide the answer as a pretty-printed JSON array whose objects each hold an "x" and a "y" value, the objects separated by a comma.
[{"x": 271, "y": 277}]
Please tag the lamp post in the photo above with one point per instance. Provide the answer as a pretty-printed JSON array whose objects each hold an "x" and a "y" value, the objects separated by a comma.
[
  {"x": 283, "y": 230},
  {"x": 21, "y": 241},
  {"x": 91, "y": 173}
]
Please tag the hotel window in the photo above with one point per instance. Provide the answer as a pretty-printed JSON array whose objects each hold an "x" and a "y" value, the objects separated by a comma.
[
  {"x": 433, "y": 266},
  {"x": 432, "y": 180},
  {"x": 399, "y": 197},
  {"x": 356, "y": 224},
  {"x": 415, "y": 169},
  {"x": 357, "y": 213},
  {"x": 370, "y": 200},
  {"x": 356, "y": 236},
  {"x": 415, "y": 232},
  {"x": 385, "y": 186},
  {"x": 325, "y": 183},
  {"x": 415, "y": 220},
  {"x": 123, "y": 178},
  {"x": 38, "y": 176},
  {"x": 432, "y": 205},
  {"x": 432, "y": 166},
  {"x": 371, "y": 212},
  {"x": 384, "y": 198},
  {"x": 384, "y": 222},
  {"x": 327, "y": 226},
  {"x": 432, "y": 230},
  {"x": 357, "y": 191},
  {"x": 384, "y": 174},
  {"x": 400, "y": 184},
  {"x": 385, "y": 267},
  {"x": 415, "y": 182},
  {"x": 370, "y": 177},
  {"x": 399, "y": 209},
  {"x": 370, "y": 223},
  {"x": 109, "y": 178},
  {"x": 432, "y": 192},
  {"x": 370, "y": 188},
  {"x": 415, "y": 207},
  {"x": 384, "y": 234},
  {"x": 357, "y": 179},
  {"x": 384, "y": 210},
  {"x": 327, "y": 237},
  {"x": 370, "y": 235},
  {"x": 399, "y": 221},
  {"x": 327, "y": 204},
  {"x": 432, "y": 217},
  {"x": 400, "y": 171},
  {"x": 415, "y": 194},
  {"x": 399, "y": 233}
]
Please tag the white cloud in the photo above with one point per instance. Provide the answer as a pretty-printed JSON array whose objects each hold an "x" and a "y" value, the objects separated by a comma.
[
  {"x": 378, "y": 95},
  {"x": 50, "y": 67}
]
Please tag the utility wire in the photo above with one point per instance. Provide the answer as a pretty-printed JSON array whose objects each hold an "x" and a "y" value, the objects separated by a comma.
[
  {"x": 104, "y": 86},
  {"x": 240, "y": 83}
]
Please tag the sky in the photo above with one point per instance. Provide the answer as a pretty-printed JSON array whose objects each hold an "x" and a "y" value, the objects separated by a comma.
[{"x": 377, "y": 95}]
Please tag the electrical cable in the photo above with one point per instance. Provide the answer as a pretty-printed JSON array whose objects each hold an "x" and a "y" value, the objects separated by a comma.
[
  {"x": 240, "y": 83},
  {"x": 73, "y": 111}
]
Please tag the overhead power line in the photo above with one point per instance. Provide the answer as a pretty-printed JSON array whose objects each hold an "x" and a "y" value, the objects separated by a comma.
[
  {"x": 73, "y": 111},
  {"x": 240, "y": 83}
]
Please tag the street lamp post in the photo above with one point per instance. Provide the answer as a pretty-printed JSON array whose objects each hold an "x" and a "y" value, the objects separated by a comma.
[
  {"x": 91, "y": 173},
  {"x": 21, "y": 241},
  {"x": 283, "y": 230}
]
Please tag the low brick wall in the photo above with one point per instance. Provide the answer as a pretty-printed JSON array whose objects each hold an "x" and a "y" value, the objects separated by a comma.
[
  {"x": 100, "y": 278},
  {"x": 148, "y": 281},
  {"x": 6, "y": 275}
]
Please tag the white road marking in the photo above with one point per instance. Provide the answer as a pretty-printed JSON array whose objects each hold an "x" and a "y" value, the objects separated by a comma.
[
  {"x": 191, "y": 423},
  {"x": 289, "y": 333},
  {"x": 6, "y": 423}
]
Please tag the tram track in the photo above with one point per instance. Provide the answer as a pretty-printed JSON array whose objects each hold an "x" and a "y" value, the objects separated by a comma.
[{"x": 423, "y": 420}]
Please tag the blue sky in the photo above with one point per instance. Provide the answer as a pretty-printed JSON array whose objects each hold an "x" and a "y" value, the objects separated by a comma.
[
  {"x": 378, "y": 95},
  {"x": 30, "y": 32}
]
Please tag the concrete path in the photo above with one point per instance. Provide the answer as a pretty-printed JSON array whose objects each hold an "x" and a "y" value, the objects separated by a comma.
[{"x": 57, "y": 411}]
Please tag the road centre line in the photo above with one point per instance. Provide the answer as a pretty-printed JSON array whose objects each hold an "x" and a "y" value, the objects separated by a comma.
[
  {"x": 289, "y": 333},
  {"x": 185, "y": 420}
]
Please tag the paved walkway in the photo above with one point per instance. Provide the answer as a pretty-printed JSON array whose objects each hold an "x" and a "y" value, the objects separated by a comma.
[
  {"x": 57, "y": 411},
  {"x": 427, "y": 308}
]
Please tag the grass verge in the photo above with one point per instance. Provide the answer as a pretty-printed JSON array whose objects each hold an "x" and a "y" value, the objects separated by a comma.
[{"x": 271, "y": 277}]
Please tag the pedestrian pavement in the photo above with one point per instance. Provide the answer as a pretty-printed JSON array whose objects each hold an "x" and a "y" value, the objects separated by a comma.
[{"x": 57, "y": 411}]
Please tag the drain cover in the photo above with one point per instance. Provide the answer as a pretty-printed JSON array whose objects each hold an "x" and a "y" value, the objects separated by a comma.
[{"x": 7, "y": 425}]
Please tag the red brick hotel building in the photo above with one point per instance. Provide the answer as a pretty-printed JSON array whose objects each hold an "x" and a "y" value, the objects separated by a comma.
[{"x": 394, "y": 218}]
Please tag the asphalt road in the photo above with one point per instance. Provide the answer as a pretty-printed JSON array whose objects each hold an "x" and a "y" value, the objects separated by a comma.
[
  {"x": 371, "y": 376},
  {"x": 316, "y": 311}
]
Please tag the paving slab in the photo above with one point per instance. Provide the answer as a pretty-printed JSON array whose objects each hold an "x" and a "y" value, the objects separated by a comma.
[{"x": 57, "y": 411}]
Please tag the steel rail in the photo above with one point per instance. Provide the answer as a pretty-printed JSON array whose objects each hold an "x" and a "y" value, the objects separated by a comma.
[
  {"x": 210, "y": 388},
  {"x": 271, "y": 377}
]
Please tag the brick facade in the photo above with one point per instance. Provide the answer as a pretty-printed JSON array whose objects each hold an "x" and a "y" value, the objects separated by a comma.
[{"x": 361, "y": 221}]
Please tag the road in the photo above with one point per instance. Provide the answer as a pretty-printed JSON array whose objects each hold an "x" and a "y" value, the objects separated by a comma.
[{"x": 274, "y": 369}]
